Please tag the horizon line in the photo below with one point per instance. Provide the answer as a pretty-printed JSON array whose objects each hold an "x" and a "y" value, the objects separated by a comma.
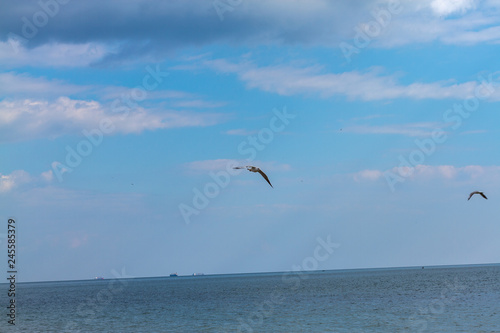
[{"x": 268, "y": 272}]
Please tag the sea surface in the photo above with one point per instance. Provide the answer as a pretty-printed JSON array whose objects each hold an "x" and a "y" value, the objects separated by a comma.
[{"x": 434, "y": 299}]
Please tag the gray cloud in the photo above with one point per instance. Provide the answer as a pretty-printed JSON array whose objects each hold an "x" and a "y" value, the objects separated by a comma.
[
  {"x": 140, "y": 29},
  {"x": 158, "y": 27}
]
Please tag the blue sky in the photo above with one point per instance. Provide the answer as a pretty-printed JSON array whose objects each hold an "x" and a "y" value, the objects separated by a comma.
[{"x": 120, "y": 123}]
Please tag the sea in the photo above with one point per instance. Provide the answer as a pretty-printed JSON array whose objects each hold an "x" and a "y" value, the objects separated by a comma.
[{"x": 416, "y": 299}]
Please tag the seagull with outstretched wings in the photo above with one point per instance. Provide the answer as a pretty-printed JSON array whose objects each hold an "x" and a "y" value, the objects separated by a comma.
[
  {"x": 255, "y": 169},
  {"x": 477, "y": 192}
]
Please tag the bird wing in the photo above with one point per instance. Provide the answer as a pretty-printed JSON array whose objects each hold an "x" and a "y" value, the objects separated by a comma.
[
  {"x": 265, "y": 176},
  {"x": 477, "y": 192}
]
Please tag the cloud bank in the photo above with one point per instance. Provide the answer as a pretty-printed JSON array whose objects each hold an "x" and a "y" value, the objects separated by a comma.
[{"x": 116, "y": 31}]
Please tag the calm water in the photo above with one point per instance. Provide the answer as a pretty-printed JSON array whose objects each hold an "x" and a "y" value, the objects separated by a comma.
[{"x": 460, "y": 299}]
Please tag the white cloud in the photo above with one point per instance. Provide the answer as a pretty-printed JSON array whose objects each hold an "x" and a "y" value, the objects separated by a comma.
[
  {"x": 23, "y": 85},
  {"x": 447, "y": 7},
  {"x": 28, "y": 119},
  {"x": 35, "y": 107},
  {"x": 490, "y": 34},
  {"x": 368, "y": 85},
  {"x": 13, "y": 53},
  {"x": 19, "y": 178},
  {"x": 368, "y": 175},
  {"x": 47, "y": 176},
  {"x": 476, "y": 173},
  {"x": 459, "y": 22},
  {"x": 16, "y": 178}
]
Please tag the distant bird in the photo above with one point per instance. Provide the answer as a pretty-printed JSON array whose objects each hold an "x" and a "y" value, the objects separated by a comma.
[
  {"x": 255, "y": 169},
  {"x": 477, "y": 192}
]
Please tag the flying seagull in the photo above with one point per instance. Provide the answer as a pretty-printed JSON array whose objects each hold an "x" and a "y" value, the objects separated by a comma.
[
  {"x": 477, "y": 192},
  {"x": 255, "y": 169}
]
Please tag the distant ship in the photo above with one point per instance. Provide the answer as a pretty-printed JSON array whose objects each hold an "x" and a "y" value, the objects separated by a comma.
[
  {"x": 173, "y": 275},
  {"x": 198, "y": 274},
  {"x": 98, "y": 278}
]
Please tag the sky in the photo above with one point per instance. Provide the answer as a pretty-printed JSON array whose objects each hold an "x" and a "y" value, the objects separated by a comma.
[{"x": 121, "y": 122}]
